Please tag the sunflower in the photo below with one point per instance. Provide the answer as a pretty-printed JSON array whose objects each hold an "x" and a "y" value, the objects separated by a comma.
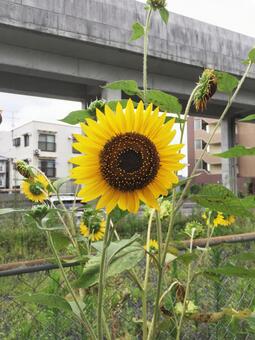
[
  {"x": 153, "y": 246},
  {"x": 95, "y": 232},
  {"x": 207, "y": 86},
  {"x": 217, "y": 218},
  {"x": 35, "y": 189},
  {"x": 126, "y": 158},
  {"x": 223, "y": 220}
]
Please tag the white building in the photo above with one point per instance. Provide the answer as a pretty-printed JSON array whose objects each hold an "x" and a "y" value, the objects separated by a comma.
[
  {"x": 47, "y": 146},
  {"x": 4, "y": 172}
]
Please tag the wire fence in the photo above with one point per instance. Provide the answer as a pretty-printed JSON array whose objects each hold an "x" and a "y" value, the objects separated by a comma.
[{"x": 22, "y": 320}]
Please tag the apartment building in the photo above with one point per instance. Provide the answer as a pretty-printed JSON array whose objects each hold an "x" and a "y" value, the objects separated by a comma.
[
  {"x": 47, "y": 146},
  {"x": 198, "y": 132}
]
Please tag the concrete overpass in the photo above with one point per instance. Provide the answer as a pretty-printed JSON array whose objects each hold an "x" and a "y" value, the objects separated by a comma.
[{"x": 67, "y": 48}]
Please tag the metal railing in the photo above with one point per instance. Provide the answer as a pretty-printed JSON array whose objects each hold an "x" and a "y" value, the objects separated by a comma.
[{"x": 19, "y": 320}]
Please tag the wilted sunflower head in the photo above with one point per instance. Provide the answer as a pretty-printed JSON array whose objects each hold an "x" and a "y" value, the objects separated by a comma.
[
  {"x": 127, "y": 157},
  {"x": 36, "y": 188},
  {"x": 24, "y": 169},
  {"x": 207, "y": 86},
  {"x": 157, "y": 4}
]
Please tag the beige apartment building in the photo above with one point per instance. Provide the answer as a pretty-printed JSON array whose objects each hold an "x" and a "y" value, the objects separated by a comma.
[{"x": 199, "y": 130}]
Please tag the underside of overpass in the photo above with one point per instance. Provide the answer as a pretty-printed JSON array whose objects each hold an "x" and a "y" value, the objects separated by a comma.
[{"x": 66, "y": 49}]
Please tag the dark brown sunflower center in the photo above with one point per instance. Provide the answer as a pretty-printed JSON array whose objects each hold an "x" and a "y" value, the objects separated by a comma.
[{"x": 129, "y": 162}]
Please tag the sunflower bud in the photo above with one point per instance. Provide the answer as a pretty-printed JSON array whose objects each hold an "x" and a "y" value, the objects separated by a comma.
[
  {"x": 96, "y": 104},
  {"x": 207, "y": 86},
  {"x": 38, "y": 212},
  {"x": 24, "y": 169},
  {"x": 157, "y": 4}
]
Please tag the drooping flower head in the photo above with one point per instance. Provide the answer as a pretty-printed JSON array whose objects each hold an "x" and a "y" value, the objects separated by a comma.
[
  {"x": 127, "y": 157},
  {"x": 94, "y": 231},
  {"x": 217, "y": 218},
  {"x": 36, "y": 188},
  {"x": 207, "y": 86},
  {"x": 157, "y": 4},
  {"x": 24, "y": 169}
]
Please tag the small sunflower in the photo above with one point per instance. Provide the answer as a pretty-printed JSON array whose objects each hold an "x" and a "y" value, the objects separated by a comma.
[
  {"x": 127, "y": 157},
  {"x": 153, "y": 246},
  {"x": 217, "y": 218},
  {"x": 95, "y": 232},
  {"x": 35, "y": 189}
]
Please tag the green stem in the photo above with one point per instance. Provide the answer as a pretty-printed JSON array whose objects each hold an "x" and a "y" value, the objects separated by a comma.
[
  {"x": 223, "y": 115},
  {"x": 179, "y": 328},
  {"x": 146, "y": 277},
  {"x": 145, "y": 52},
  {"x": 101, "y": 284},
  {"x": 159, "y": 234},
  {"x": 83, "y": 319}
]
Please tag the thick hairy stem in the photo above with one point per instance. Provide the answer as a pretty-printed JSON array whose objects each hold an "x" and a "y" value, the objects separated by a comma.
[
  {"x": 83, "y": 318},
  {"x": 223, "y": 115},
  {"x": 146, "y": 277},
  {"x": 101, "y": 284},
  {"x": 145, "y": 52}
]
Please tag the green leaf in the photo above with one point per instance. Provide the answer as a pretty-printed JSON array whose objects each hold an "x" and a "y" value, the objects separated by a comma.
[
  {"x": 164, "y": 13},
  {"x": 251, "y": 55},
  {"x": 187, "y": 258},
  {"x": 49, "y": 300},
  {"x": 113, "y": 104},
  {"x": 244, "y": 257},
  {"x": 124, "y": 260},
  {"x": 59, "y": 182},
  {"x": 234, "y": 271},
  {"x": 237, "y": 151},
  {"x": 76, "y": 117},
  {"x": 218, "y": 198},
  {"x": 11, "y": 210},
  {"x": 248, "y": 118},
  {"x": 164, "y": 101},
  {"x": 60, "y": 240},
  {"x": 130, "y": 87},
  {"x": 137, "y": 31},
  {"x": 226, "y": 82}
]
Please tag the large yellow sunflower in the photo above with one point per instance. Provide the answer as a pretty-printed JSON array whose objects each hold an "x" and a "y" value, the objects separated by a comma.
[
  {"x": 35, "y": 189},
  {"x": 127, "y": 157},
  {"x": 94, "y": 232}
]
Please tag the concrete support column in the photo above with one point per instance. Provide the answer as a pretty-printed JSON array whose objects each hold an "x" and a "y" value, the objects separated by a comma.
[
  {"x": 109, "y": 94},
  {"x": 228, "y": 165}
]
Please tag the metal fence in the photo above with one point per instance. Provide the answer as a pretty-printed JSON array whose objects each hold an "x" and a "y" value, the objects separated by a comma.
[{"x": 21, "y": 320}]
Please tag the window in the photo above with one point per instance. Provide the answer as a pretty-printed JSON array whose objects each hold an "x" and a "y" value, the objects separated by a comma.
[
  {"x": 26, "y": 139},
  {"x": 197, "y": 124},
  {"x": 48, "y": 166},
  {"x": 47, "y": 142},
  {"x": 73, "y": 149},
  {"x": 1, "y": 181},
  {"x": 199, "y": 144},
  {"x": 16, "y": 141},
  {"x": 202, "y": 165},
  {"x": 1, "y": 168}
]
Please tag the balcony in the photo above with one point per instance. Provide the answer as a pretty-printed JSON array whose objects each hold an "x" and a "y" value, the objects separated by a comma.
[
  {"x": 47, "y": 146},
  {"x": 204, "y": 135},
  {"x": 208, "y": 158}
]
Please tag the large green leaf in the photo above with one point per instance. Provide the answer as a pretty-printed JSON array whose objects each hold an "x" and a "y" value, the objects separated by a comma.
[
  {"x": 124, "y": 260},
  {"x": 61, "y": 241},
  {"x": 137, "y": 31},
  {"x": 164, "y": 101},
  {"x": 164, "y": 13},
  {"x": 236, "y": 151},
  {"x": 218, "y": 198},
  {"x": 49, "y": 300},
  {"x": 76, "y": 117},
  {"x": 230, "y": 270},
  {"x": 248, "y": 118},
  {"x": 226, "y": 82},
  {"x": 11, "y": 210},
  {"x": 130, "y": 87},
  {"x": 59, "y": 182},
  {"x": 251, "y": 55}
]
